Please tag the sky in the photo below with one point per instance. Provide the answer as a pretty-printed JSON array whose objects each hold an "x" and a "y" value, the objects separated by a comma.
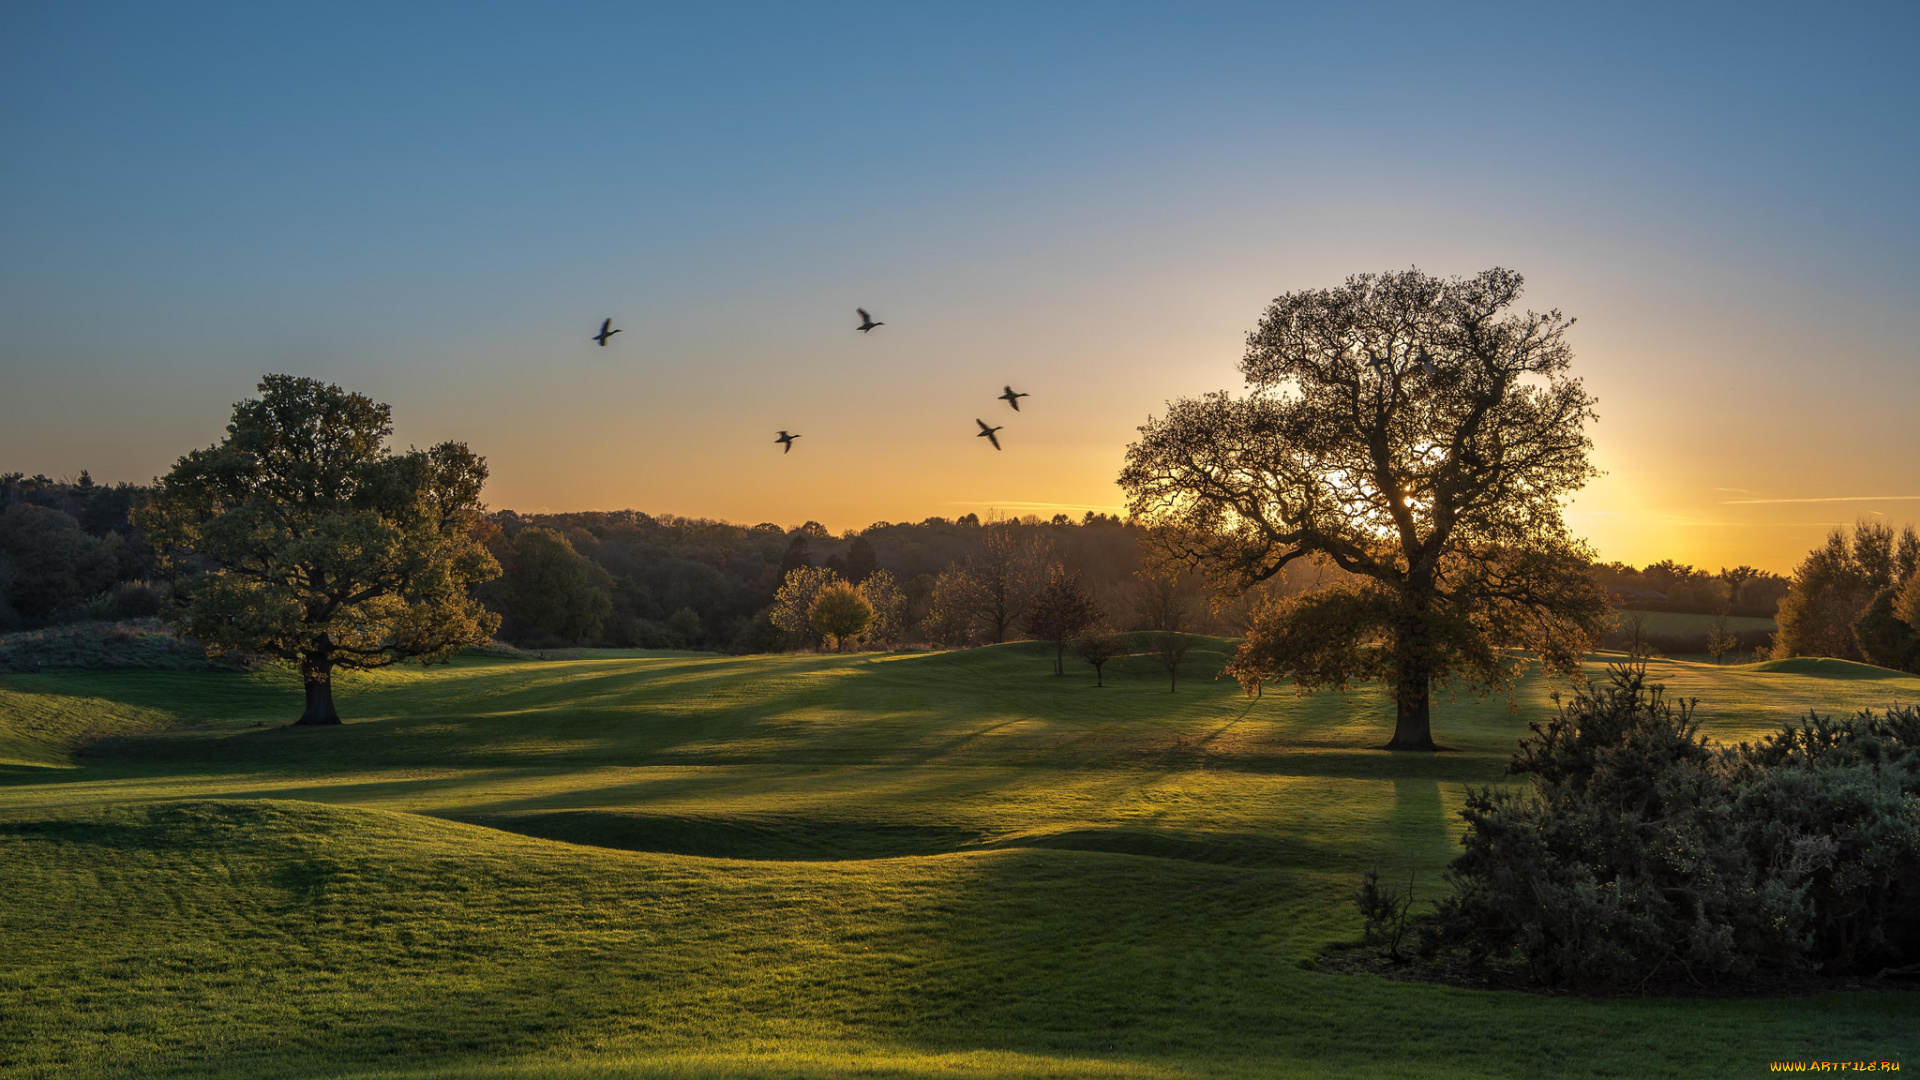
[{"x": 435, "y": 205}]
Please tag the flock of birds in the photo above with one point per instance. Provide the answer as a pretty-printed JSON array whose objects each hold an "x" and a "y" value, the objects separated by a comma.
[{"x": 867, "y": 323}]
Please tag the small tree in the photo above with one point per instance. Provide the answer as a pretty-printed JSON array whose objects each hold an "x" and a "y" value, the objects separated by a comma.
[
  {"x": 1169, "y": 649},
  {"x": 1061, "y": 612},
  {"x": 1165, "y": 613},
  {"x": 330, "y": 550},
  {"x": 889, "y": 607},
  {"x": 1633, "y": 627},
  {"x": 1720, "y": 640},
  {"x": 840, "y": 614},
  {"x": 793, "y": 604},
  {"x": 952, "y": 607},
  {"x": 1098, "y": 649}
]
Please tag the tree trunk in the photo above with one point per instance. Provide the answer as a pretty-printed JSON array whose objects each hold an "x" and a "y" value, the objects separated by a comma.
[
  {"x": 1414, "y": 673},
  {"x": 1060, "y": 657},
  {"x": 316, "y": 670},
  {"x": 1412, "y": 729}
]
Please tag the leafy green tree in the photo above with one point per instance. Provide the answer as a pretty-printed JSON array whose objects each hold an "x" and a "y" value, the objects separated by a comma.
[
  {"x": 889, "y": 607},
  {"x": 840, "y": 614},
  {"x": 861, "y": 560},
  {"x": 47, "y": 562},
  {"x": 554, "y": 589},
  {"x": 1403, "y": 428},
  {"x": 1884, "y": 637},
  {"x": 793, "y": 604},
  {"x": 799, "y": 553},
  {"x": 330, "y": 549},
  {"x": 1833, "y": 587},
  {"x": 952, "y": 605}
]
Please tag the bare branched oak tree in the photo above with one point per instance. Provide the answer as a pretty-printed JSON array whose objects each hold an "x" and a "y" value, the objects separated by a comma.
[{"x": 1405, "y": 428}]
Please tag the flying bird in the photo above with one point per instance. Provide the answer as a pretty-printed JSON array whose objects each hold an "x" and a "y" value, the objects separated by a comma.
[
  {"x": 606, "y": 331},
  {"x": 786, "y": 441},
  {"x": 866, "y": 320},
  {"x": 1013, "y": 399},
  {"x": 987, "y": 433}
]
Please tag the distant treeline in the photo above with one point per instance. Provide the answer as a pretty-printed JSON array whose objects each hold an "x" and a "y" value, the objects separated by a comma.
[
  {"x": 626, "y": 578},
  {"x": 1671, "y": 586},
  {"x": 69, "y": 553}
]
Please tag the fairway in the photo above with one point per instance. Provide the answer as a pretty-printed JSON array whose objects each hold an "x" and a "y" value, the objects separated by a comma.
[{"x": 687, "y": 865}]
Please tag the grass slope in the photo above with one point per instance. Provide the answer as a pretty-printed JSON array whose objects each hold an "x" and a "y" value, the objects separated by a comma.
[{"x": 693, "y": 866}]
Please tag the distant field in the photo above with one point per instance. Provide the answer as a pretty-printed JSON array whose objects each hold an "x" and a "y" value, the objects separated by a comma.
[
  {"x": 1685, "y": 624},
  {"x": 948, "y": 864}
]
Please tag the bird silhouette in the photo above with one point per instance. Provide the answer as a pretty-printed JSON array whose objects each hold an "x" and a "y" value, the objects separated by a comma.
[
  {"x": 606, "y": 331},
  {"x": 987, "y": 433},
  {"x": 1426, "y": 362},
  {"x": 786, "y": 441},
  {"x": 866, "y": 320},
  {"x": 1013, "y": 399}
]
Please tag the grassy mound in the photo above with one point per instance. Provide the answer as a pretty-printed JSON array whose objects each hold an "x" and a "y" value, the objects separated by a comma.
[
  {"x": 798, "y": 866},
  {"x": 1824, "y": 668}
]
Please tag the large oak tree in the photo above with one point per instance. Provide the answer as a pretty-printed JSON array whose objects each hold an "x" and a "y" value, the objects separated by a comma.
[
  {"x": 327, "y": 548},
  {"x": 1415, "y": 434}
]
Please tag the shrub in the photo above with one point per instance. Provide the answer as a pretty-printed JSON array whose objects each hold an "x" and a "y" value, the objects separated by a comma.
[
  {"x": 1835, "y": 806},
  {"x": 1384, "y": 909},
  {"x": 1622, "y": 860},
  {"x": 1640, "y": 851}
]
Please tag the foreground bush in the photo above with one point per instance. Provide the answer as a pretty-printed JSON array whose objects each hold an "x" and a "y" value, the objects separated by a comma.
[{"x": 1641, "y": 853}]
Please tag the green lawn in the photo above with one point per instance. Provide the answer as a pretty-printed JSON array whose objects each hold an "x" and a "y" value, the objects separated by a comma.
[
  {"x": 1688, "y": 624},
  {"x": 949, "y": 864}
]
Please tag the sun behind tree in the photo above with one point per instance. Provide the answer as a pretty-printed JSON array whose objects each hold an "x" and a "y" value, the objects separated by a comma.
[
  {"x": 1400, "y": 426},
  {"x": 329, "y": 549}
]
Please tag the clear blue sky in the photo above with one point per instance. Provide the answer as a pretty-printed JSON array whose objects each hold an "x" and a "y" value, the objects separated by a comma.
[{"x": 436, "y": 204}]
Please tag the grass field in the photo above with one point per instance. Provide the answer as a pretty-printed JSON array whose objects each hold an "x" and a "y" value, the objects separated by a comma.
[
  {"x": 655, "y": 865},
  {"x": 1688, "y": 624}
]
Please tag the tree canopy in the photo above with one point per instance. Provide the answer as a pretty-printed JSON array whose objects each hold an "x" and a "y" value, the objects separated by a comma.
[
  {"x": 1845, "y": 598},
  {"x": 840, "y": 613},
  {"x": 1405, "y": 429},
  {"x": 329, "y": 549}
]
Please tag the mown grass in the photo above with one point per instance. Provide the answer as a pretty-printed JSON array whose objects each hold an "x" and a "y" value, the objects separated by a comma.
[
  {"x": 1693, "y": 624},
  {"x": 805, "y": 866}
]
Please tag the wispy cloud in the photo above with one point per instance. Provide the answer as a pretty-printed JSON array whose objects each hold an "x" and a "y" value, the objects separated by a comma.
[{"x": 1840, "y": 499}]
